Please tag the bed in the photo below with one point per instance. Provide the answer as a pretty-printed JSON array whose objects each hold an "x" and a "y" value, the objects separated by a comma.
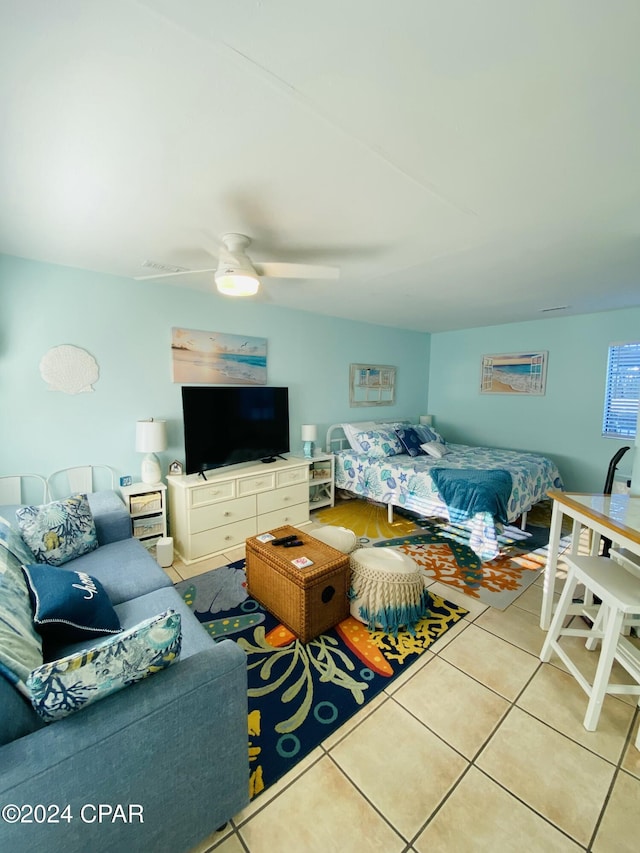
[{"x": 479, "y": 489}]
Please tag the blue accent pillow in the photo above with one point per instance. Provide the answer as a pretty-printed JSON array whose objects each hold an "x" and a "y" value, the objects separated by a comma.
[
  {"x": 410, "y": 441},
  {"x": 428, "y": 434},
  {"x": 59, "y": 688},
  {"x": 69, "y": 606},
  {"x": 58, "y": 531}
]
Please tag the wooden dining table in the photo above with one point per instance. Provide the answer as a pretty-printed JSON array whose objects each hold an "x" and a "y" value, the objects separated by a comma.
[{"x": 615, "y": 517}]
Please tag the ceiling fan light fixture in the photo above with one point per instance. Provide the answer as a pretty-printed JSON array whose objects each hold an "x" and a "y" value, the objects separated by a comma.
[{"x": 237, "y": 283}]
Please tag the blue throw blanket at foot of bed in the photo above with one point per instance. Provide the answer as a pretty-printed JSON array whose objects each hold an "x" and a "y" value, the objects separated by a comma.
[{"x": 469, "y": 491}]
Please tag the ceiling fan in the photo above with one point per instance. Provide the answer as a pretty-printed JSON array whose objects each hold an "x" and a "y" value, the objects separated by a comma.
[{"x": 237, "y": 275}]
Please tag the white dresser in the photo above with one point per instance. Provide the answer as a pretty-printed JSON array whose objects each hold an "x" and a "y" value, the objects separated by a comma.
[{"x": 233, "y": 504}]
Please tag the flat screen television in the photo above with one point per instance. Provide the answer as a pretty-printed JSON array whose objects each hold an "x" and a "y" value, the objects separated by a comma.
[{"x": 226, "y": 425}]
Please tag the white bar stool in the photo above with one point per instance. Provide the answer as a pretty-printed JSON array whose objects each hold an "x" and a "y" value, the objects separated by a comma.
[{"x": 619, "y": 592}]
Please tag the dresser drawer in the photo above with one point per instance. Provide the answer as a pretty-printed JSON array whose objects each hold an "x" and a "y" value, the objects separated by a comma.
[
  {"x": 212, "y": 493},
  {"x": 222, "y": 538},
  {"x": 281, "y": 498},
  {"x": 297, "y": 514},
  {"x": 293, "y": 475},
  {"x": 215, "y": 515},
  {"x": 253, "y": 485}
]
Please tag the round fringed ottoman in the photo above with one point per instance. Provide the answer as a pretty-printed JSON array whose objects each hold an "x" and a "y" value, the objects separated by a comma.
[
  {"x": 340, "y": 538},
  {"x": 387, "y": 590}
]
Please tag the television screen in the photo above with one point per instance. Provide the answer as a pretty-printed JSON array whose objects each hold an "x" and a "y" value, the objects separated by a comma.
[{"x": 227, "y": 425}]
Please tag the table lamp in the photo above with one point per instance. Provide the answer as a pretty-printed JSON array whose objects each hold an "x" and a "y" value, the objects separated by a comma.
[
  {"x": 426, "y": 420},
  {"x": 309, "y": 435},
  {"x": 151, "y": 438}
]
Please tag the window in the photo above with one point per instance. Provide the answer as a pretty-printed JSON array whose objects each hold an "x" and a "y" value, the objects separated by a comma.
[{"x": 623, "y": 390}]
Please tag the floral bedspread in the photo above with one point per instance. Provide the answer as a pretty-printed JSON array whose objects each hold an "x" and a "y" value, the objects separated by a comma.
[{"x": 405, "y": 481}]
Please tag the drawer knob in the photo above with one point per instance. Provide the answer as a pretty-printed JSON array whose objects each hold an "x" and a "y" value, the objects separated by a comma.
[
  {"x": 226, "y": 538},
  {"x": 227, "y": 514},
  {"x": 286, "y": 498}
]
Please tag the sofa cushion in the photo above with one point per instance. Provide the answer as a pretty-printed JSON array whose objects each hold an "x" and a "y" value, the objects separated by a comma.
[
  {"x": 110, "y": 515},
  {"x": 58, "y": 531},
  {"x": 125, "y": 569},
  {"x": 195, "y": 637},
  {"x": 61, "y": 687},
  {"x": 17, "y": 717},
  {"x": 69, "y": 605}
]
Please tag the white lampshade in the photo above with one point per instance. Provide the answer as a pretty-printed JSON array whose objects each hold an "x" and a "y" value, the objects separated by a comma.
[
  {"x": 426, "y": 420},
  {"x": 309, "y": 432},
  {"x": 151, "y": 437}
]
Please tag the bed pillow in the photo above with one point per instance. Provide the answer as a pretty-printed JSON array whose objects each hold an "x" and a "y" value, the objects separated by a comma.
[
  {"x": 69, "y": 606},
  {"x": 59, "y": 688},
  {"x": 352, "y": 430},
  {"x": 378, "y": 443},
  {"x": 58, "y": 531},
  {"x": 435, "y": 449},
  {"x": 428, "y": 434},
  {"x": 410, "y": 441}
]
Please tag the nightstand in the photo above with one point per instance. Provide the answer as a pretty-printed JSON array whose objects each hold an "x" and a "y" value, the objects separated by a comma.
[
  {"x": 147, "y": 505},
  {"x": 321, "y": 481}
]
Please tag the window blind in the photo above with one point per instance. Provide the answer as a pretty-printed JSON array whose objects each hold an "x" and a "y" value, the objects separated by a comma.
[{"x": 622, "y": 391}]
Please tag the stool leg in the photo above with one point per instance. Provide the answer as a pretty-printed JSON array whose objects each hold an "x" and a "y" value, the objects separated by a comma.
[
  {"x": 613, "y": 620},
  {"x": 592, "y": 642},
  {"x": 566, "y": 599}
]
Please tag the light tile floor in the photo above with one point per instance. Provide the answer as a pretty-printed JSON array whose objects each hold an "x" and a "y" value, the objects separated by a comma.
[{"x": 478, "y": 747}]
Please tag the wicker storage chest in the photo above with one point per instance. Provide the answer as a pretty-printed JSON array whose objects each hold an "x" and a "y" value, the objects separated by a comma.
[{"x": 309, "y": 600}]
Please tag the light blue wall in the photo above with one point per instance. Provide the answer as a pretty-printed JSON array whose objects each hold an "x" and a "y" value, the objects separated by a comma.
[
  {"x": 126, "y": 326},
  {"x": 565, "y": 423}
]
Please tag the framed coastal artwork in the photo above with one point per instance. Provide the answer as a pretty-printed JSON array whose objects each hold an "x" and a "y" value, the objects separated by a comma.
[
  {"x": 514, "y": 373},
  {"x": 372, "y": 385},
  {"x": 216, "y": 358}
]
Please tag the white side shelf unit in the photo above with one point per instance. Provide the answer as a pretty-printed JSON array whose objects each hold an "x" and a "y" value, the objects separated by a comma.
[
  {"x": 147, "y": 505},
  {"x": 209, "y": 517},
  {"x": 321, "y": 481}
]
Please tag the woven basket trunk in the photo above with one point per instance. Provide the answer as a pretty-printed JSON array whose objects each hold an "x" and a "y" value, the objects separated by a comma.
[{"x": 308, "y": 601}]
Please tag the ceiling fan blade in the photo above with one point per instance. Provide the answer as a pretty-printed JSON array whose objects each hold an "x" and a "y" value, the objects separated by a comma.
[
  {"x": 170, "y": 274},
  {"x": 282, "y": 270}
]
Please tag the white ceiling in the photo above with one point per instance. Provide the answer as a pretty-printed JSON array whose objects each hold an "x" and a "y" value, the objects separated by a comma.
[{"x": 464, "y": 163}]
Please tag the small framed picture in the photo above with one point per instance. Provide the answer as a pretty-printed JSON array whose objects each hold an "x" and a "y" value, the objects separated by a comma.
[{"x": 175, "y": 467}]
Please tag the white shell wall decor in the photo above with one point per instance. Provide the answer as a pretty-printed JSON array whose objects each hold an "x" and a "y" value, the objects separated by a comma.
[{"x": 69, "y": 369}]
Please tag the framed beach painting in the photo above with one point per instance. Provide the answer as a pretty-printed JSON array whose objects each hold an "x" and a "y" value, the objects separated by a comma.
[
  {"x": 216, "y": 358},
  {"x": 514, "y": 373}
]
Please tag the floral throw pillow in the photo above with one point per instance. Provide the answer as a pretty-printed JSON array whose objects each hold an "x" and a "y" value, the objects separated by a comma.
[
  {"x": 59, "y": 531},
  {"x": 61, "y": 687}
]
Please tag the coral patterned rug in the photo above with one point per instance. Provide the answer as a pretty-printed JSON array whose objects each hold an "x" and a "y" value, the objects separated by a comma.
[
  {"x": 442, "y": 551},
  {"x": 299, "y": 694}
]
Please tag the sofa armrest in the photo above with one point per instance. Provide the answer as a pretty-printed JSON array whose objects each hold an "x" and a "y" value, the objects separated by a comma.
[{"x": 175, "y": 745}]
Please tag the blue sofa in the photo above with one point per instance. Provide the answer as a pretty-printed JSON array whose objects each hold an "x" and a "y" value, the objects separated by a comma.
[{"x": 171, "y": 750}]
